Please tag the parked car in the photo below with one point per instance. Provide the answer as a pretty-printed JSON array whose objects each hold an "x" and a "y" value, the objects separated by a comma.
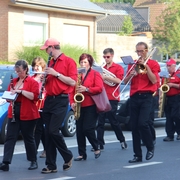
[{"x": 69, "y": 124}]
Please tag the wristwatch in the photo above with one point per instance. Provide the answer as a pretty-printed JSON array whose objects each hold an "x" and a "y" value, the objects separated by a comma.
[
  {"x": 58, "y": 74},
  {"x": 87, "y": 89}
]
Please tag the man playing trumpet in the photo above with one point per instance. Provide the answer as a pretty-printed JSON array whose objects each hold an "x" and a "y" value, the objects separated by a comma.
[{"x": 143, "y": 85}]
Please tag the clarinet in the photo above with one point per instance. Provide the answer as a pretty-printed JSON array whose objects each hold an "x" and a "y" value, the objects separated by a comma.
[
  {"x": 45, "y": 76},
  {"x": 12, "y": 104}
]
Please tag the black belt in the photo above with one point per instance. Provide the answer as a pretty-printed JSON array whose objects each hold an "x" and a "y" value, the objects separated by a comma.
[
  {"x": 59, "y": 95},
  {"x": 17, "y": 103},
  {"x": 143, "y": 92}
]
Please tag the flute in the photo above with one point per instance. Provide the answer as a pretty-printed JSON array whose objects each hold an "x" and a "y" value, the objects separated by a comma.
[
  {"x": 12, "y": 104},
  {"x": 45, "y": 76}
]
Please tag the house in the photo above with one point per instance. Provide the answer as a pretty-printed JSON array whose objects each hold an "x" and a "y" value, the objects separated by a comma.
[
  {"x": 150, "y": 10},
  {"x": 30, "y": 22},
  {"x": 116, "y": 13}
]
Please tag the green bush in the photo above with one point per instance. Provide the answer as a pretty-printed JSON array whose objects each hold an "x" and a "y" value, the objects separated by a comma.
[{"x": 29, "y": 53}]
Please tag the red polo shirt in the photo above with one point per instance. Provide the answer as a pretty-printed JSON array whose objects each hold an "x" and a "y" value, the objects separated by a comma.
[
  {"x": 173, "y": 79},
  {"x": 94, "y": 82},
  {"x": 66, "y": 66},
  {"x": 29, "y": 110},
  {"x": 141, "y": 82},
  {"x": 118, "y": 71}
]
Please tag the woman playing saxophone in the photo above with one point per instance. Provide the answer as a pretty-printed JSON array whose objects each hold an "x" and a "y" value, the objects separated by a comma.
[{"x": 91, "y": 83}]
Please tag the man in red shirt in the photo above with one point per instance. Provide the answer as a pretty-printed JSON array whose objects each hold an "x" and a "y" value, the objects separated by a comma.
[
  {"x": 143, "y": 85},
  {"x": 172, "y": 102},
  {"x": 118, "y": 71},
  {"x": 60, "y": 81}
]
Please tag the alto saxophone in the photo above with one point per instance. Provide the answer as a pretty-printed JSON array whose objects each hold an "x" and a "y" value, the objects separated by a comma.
[
  {"x": 162, "y": 98},
  {"x": 78, "y": 98}
]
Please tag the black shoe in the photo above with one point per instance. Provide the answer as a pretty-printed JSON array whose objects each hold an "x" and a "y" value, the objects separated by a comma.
[
  {"x": 135, "y": 160},
  {"x": 80, "y": 158},
  {"x": 168, "y": 139},
  {"x": 4, "y": 167},
  {"x": 96, "y": 155},
  {"x": 178, "y": 137},
  {"x": 124, "y": 145},
  {"x": 68, "y": 165},
  {"x": 33, "y": 165},
  {"x": 100, "y": 147},
  {"x": 149, "y": 154}
]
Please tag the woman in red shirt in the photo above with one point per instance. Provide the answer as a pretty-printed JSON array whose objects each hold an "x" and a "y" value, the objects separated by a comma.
[
  {"x": 38, "y": 66},
  {"x": 25, "y": 113},
  {"x": 91, "y": 83}
]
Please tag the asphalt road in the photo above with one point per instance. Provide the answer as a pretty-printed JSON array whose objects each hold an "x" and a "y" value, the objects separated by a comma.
[{"x": 112, "y": 164}]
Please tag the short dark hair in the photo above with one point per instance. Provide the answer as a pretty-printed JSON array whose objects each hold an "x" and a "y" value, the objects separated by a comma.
[
  {"x": 39, "y": 61},
  {"x": 108, "y": 50},
  {"x": 22, "y": 63},
  {"x": 89, "y": 58},
  {"x": 142, "y": 43}
]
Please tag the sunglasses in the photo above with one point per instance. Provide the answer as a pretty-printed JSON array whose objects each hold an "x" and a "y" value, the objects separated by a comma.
[
  {"x": 140, "y": 51},
  {"x": 106, "y": 57}
]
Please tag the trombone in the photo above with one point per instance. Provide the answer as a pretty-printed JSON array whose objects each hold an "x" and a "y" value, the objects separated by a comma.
[
  {"x": 122, "y": 82},
  {"x": 140, "y": 68}
]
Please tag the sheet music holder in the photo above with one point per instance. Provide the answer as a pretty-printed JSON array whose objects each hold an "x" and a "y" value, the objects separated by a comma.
[
  {"x": 81, "y": 70},
  {"x": 127, "y": 60},
  {"x": 164, "y": 74},
  {"x": 8, "y": 96}
]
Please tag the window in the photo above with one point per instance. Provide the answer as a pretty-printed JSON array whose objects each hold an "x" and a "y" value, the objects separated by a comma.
[{"x": 35, "y": 28}]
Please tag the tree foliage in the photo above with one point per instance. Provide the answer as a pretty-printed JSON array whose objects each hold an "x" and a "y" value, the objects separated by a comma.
[
  {"x": 167, "y": 30},
  {"x": 113, "y": 1},
  {"x": 127, "y": 27}
]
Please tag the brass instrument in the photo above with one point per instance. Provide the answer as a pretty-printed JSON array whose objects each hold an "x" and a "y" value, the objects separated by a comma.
[
  {"x": 162, "y": 98},
  {"x": 78, "y": 97},
  {"x": 141, "y": 68},
  {"x": 107, "y": 73}
]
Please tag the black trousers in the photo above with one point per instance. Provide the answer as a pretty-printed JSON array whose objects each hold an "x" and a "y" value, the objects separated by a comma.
[
  {"x": 172, "y": 112},
  {"x": 115, "y": 124},
  {"x": 27, "y": 130},
  {"x": 140, "y": 106},
  {"x": 85, "y": 127},
  {"x": 39, "y": 133},
  {"x": 54, "y": 111}
]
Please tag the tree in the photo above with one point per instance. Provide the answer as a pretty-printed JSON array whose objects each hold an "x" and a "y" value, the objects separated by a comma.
[
  {"x": 127, "y": 27},
  {"x": 167, "y": 30}
]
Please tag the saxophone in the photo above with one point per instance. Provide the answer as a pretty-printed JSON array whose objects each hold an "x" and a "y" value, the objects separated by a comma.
[
  {"x": 78, "y": 98},
  {"x": 162, "y": 98}
]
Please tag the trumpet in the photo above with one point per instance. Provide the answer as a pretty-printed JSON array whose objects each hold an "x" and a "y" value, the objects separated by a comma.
[{"x": 140, "y": 68}]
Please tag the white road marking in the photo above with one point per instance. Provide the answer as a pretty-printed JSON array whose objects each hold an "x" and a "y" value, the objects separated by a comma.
[
  {"x": 142, "y": 165},
  {"x": 62, "y": 178}
]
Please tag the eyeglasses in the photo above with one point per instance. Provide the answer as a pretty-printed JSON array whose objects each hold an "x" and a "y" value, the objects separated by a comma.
[
  {"x": 140, "y": 51},
  {"x": 106, "y": 57}
]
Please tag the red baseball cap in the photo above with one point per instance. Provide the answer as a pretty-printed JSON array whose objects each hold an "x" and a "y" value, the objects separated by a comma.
[
  {"x": 170, "y": 62},
  {"x": 50, "y": 42}
]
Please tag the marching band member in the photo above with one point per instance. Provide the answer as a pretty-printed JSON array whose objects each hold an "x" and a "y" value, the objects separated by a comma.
[
  {"x": 25, "y": 113},
  {"x": 60, "y": 80},
  {"x": 91, "y": 83},
  {"x": 143, "y": 85},
  {"x": 172, "y": 105},
  {"x": 118, "y": 71},
  {"x": 38, "y": 66}
]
